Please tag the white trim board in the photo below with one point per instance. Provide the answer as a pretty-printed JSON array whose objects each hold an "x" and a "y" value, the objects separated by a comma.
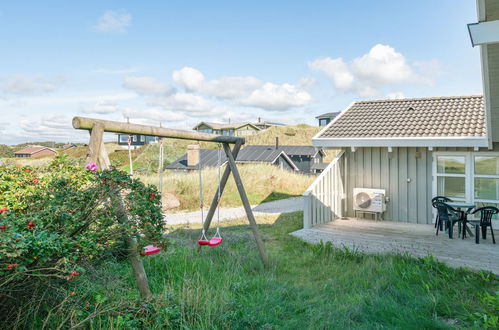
[
  {"x": 484, "y": 32},
  {"x": 457, "y": 141}
]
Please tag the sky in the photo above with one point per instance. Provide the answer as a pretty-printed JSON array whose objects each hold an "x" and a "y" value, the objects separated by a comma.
[{"x": 177, "y": 63}]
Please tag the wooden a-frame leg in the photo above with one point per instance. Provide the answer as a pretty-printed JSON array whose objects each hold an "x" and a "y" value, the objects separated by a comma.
[
  {"x": 246, "y": 204},
  {"x": 97, "y": 153},
  {"x": 223, "y": 182}
]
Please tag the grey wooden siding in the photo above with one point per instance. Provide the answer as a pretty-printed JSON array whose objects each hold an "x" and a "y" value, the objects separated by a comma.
[
  {"x": 492, "y": 12},
  {"x": 378, "y": 168},
  {"x": 493, "y": 60}
]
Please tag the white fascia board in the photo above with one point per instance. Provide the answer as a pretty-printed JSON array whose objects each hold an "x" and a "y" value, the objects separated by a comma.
[
  {"x": 402, "y": 142},
  {"x": 287, "y": 158},
  {"x": 484, "y": 32},
  {"x": 332, "y": 121}
]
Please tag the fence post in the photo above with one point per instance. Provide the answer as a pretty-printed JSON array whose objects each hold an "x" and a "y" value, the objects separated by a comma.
[{"x": 307, "y": 210}]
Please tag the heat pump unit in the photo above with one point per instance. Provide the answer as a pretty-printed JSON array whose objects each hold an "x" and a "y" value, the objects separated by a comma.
[{"x": 369, "y": 200}]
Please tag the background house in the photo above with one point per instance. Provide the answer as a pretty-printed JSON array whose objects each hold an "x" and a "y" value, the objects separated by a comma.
[
  {"x": 295, "y": 158},
  {"x": 137, "y": 140},
  {"x": 34, "y": 152},
  {"x": 326, "y": 118},
  {"x": 235, "y": 129}
]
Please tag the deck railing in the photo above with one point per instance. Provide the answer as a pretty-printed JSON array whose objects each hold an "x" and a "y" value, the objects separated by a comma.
[{"x": 324, "y": 198}]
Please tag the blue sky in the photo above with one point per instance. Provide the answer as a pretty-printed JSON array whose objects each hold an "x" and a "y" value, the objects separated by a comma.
[{"x": 181, "y": 62}]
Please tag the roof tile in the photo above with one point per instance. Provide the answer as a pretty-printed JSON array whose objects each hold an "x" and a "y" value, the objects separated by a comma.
[{"x": 432, "y": 117}]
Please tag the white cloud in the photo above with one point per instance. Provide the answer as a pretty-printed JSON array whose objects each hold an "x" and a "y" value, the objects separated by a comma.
[
  {"x": 51, "y": 127},
  {"x": 248, "y": 91},
  {"x": 25, "y": 85},
  {"x": 277, "y": 97},
  {"x": 336, "y": 69},
  {"x": 101, "y": 108},
  {"x": 113, "y": 21},
  {"x": 226, "y": 87},
  {"x": 371, "y": 73},
  {"x": 80, "y": 98},
  {"x": 189, "y": 103},
  {"x": 154, "y": 115},
  {"x": 147, "y": 85},
  {"x": 395, "y": 95}
]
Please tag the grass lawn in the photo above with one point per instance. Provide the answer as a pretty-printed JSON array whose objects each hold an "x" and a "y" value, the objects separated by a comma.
[{"x": 306, "y": 287}]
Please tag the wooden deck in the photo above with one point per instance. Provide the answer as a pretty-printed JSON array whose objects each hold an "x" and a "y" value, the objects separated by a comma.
[{"x": 400, "y": 237}]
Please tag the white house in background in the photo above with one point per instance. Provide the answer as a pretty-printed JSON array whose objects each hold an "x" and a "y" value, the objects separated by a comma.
[{"x": 415, "y": 149}]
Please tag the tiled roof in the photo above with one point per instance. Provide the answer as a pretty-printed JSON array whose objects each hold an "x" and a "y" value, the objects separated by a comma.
[
  {"x": 32, "y": 150},
  {"x": 458, "y": 116}
]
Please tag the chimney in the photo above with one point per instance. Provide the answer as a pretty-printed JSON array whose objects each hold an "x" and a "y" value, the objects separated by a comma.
[
  {"x": 276, "y": 142},
  {"x": 192, "y": 154},
  {"x": 259, "y": 120}
]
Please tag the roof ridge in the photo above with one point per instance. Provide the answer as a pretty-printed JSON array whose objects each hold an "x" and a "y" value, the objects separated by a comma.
[{"x": 422, "y": 98}]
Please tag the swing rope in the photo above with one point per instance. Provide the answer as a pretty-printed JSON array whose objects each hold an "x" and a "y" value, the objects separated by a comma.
[
  {"x": 203, "y": 240},
  {"x": 160, "y": 166},
  {"x": 149, "y": 249},
  {"x": 130, "y": 154},
  {"x": 219, "y": 163}
]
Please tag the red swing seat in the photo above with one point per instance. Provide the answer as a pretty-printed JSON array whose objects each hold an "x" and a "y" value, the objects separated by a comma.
[
  {"x": 203, "y": 242},
  {"x": 215, "y": 241},
  {"x": 150, "y": 249}
]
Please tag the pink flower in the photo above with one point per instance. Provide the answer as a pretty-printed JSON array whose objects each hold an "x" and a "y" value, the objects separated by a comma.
[{"x": 92, "y": 167}]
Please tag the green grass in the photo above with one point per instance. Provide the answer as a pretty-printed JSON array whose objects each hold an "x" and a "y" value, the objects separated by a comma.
[{"x": 306, "y": 287}]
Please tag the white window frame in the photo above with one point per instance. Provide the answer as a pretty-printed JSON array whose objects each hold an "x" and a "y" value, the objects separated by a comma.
[{"x": 469, "y": 175}]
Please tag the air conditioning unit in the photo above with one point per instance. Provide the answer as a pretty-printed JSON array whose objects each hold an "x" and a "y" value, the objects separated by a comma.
[{"x": 369, "y": 200}]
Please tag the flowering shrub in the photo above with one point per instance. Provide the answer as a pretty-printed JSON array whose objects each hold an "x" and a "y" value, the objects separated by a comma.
[{"x": 55, "y": 219}]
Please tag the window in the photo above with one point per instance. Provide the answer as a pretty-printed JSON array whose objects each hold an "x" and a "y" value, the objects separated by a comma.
[
  {"x": 134, "y": 138},
  {"x": 324, "y": 121},
  {"x": 142, "y": 138},
  {"x": 471, "y": 177},
  {"x": 451, "y": 176},
  {"x": 123, "y": 138},
  {"x": 486, "y": 180}
]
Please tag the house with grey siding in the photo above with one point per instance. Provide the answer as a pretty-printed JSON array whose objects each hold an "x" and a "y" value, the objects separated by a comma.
[
  {"x": 249, "y": 154},
  {"x": 411, "y": 150}
]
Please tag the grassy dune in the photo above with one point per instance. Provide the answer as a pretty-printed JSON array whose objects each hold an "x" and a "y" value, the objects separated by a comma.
[
  {"x": 262, "y": 183},
  {"x": 290, "y": 135}
]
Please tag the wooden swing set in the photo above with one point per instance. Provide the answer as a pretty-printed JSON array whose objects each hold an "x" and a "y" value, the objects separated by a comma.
[{"x": 97, "y": 154}]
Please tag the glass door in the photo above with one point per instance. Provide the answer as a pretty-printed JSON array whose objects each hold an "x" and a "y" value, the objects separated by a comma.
[
  {"x": 471, "y": 177},
  {"x": 486, "y": 181}
]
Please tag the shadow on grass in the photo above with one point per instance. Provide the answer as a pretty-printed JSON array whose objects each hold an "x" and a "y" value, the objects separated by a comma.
[{"x": 276, "y": 195}]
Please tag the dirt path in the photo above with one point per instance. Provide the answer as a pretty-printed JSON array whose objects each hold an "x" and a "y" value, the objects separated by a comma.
[{"x": 281, "y": 206}]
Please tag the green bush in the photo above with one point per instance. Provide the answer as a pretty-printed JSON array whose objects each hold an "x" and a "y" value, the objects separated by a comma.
[{"x": 56, "y": 219}]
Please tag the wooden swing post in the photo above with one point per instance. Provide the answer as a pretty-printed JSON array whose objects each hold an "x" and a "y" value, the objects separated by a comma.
[
  {"x": 246, "y": 204},
  {"x": 98, "y": 153}
]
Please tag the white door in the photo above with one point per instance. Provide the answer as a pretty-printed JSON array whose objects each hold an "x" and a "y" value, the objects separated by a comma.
[{"x": 471, "y": 177}]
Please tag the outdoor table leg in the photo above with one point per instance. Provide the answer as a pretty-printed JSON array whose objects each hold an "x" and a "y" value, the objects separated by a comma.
[{"x": 477, "y": 234}]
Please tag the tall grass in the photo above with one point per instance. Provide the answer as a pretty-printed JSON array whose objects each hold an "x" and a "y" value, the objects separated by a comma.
[
  {"x": 262, "y": 183},
  {"x": 288, "y": 135},
  {"x": 306, "y": 287}
]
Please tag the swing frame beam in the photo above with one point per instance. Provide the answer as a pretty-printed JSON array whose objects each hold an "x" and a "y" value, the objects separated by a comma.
[{"x": 97, "y": 154}]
